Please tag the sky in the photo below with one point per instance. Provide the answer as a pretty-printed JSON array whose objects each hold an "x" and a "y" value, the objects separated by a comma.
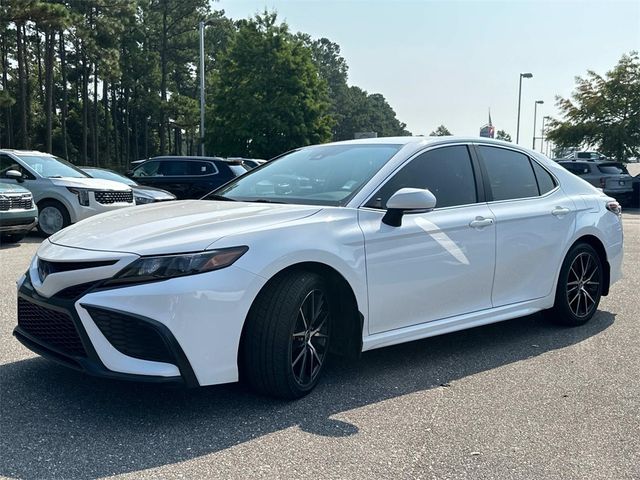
[{"x": 448, "y": 62}]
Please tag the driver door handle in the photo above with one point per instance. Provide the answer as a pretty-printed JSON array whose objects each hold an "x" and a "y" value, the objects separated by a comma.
[
  {"x": 481, "y": 222},
  {"x": 560, "y": 211}
]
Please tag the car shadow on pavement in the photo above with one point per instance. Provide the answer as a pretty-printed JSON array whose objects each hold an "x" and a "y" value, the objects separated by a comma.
[
  {"x": 31, "y": 238},
  {"x": 56, "y": 422}
]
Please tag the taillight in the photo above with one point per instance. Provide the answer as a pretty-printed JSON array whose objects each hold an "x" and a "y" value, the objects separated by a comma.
[
  {"x": 603, "y": 182},
  {"x": 614, "y": 207}
]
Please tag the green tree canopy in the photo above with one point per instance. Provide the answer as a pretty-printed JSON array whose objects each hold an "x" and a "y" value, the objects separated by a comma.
[
  {"x": 269, "y": 97},
  {"x": 441, "y": 131},
  {"x": 604, "y": 111},
  {"x": 502, "y": 135}
]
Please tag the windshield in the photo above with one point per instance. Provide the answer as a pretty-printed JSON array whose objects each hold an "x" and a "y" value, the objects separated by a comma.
[
  {"x": 108, "y": 175},
  {"x": 49, "y": 166},
  {"x": 319, "y": 175}
]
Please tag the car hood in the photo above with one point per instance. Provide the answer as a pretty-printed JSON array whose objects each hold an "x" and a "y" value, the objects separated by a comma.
[
  {"x": 175, "y": 227},
  {"x": 90, "y": 183},
  {"x": 11, "y": 188},
  {"x": 153, "y": 192}
]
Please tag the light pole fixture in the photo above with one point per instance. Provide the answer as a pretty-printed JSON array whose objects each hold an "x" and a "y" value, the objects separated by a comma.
[
  {"x": 522, "y": 75},
  {"x": 202, "y": 24},
  {"x": 535, "y": 114}
]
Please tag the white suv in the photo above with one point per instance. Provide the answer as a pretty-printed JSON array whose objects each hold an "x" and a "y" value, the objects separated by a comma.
[{"x": 64, "y": 194}]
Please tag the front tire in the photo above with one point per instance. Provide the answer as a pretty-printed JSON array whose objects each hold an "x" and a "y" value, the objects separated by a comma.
[
  {"x": 52, "y": 217},
  {"x": 579, "y": 287},
  {"x": 286, "y": 337}
]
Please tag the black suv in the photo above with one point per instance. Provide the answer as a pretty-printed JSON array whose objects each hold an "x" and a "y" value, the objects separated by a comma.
[{"x": 187, "y": 177}]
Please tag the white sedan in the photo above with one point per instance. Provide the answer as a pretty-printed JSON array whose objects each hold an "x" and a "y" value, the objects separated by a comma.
[{"x": 336, "y": 248}]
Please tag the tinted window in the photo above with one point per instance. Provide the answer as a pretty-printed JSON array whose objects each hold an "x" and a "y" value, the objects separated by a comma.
[
  {"x": 147, "y": 169},
  {"x": 612, "y": 169},
  {"x": 172, "y": 168},
  {"x": 446, "y": 172},
  {"x": 201, "y": 168},
  {"x": 546, "y": 183},
  {"x": 577, "y": 168},
  {"x": 510, "y": 173}
]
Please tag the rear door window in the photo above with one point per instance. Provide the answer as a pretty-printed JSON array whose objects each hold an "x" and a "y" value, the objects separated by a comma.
[
  {"x": 196, "y": 168},
  {"x": 510, "y": 173}
]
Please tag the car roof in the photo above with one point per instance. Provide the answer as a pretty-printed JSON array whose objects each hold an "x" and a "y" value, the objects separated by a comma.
[
  {"x": 25, "y": 152},
  {"x": 189, "y": 158}
]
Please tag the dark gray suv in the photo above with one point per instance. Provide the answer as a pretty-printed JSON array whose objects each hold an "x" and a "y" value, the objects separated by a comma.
[{"x": 612, "y": 177}]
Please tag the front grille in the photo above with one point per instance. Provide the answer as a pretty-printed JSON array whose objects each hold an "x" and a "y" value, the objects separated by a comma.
[
  {"x": 52, "y": 327},
  {"x": 107, "y": 198},
  {"x": 46, "y": 268},
  {"x": 16, "y": 203},
  {"x": 131, "y": 336}
]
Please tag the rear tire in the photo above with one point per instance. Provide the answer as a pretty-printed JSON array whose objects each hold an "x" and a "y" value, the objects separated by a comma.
[
  {"x": 52, "y": 217},
  {"x": 286, "y": 337},
  {"x": 579, "y": 287}
]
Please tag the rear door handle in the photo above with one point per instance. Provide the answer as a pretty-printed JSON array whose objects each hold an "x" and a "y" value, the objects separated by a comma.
[
  {"x": 481, "y": 222},
  {"x": 560, "y": 211}
]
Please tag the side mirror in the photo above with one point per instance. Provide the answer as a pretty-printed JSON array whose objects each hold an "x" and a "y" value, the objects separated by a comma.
[
  {"x": 407, "y": 200},
  {"x": 15, "y": 174}
]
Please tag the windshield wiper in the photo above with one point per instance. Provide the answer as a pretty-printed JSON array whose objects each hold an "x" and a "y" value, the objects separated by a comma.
[
  {"x": 220, "y": 197},
  {"x": 264, "y": 200},
  {"x": 54, "y": 176}
]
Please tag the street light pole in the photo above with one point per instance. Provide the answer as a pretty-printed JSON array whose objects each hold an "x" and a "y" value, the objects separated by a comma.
[
  {"x": 542, "y": 137},
  {"x": 202, "y": 24},
  {"x": 535, "y": 114},
  {"x": 522, "y": 75}
]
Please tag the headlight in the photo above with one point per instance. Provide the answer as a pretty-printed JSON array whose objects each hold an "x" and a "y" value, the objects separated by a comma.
[
  {"x": 82, "y": 194},
  {"x": 142, "y": 200},
  {"x": 151, "y": 269}
]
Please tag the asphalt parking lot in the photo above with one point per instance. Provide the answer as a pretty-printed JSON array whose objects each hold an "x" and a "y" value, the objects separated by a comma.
[{"x": 520, "y": 399}]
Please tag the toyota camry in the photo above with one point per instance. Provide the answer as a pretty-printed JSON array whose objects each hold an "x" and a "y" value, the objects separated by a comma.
[{"x": 330, "y": 249}]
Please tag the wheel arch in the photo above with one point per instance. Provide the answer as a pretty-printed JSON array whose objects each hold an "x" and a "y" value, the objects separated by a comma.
[
  {"x": 598, "y": 246},
  {"x": 348, "y": 321},
  {"x": 62, "y": 201}
]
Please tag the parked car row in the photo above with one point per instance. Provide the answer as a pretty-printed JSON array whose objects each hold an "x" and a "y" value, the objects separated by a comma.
[
  {"x": 61, "y": 193},
  {"x": 612, "y": 177}
]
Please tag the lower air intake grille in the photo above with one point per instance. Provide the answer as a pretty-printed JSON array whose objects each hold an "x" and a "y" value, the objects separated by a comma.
[
  {"x": 131, "y": 336},
  {"x": 51, "y": 327},
  {"x": 114, "y": 197}
]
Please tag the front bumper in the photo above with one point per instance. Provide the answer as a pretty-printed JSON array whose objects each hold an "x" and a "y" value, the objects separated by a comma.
[
  {"x": 70, "y": 344},
  {"x": 18, "y": 221},
  {"x": 195, "y": 321}
]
